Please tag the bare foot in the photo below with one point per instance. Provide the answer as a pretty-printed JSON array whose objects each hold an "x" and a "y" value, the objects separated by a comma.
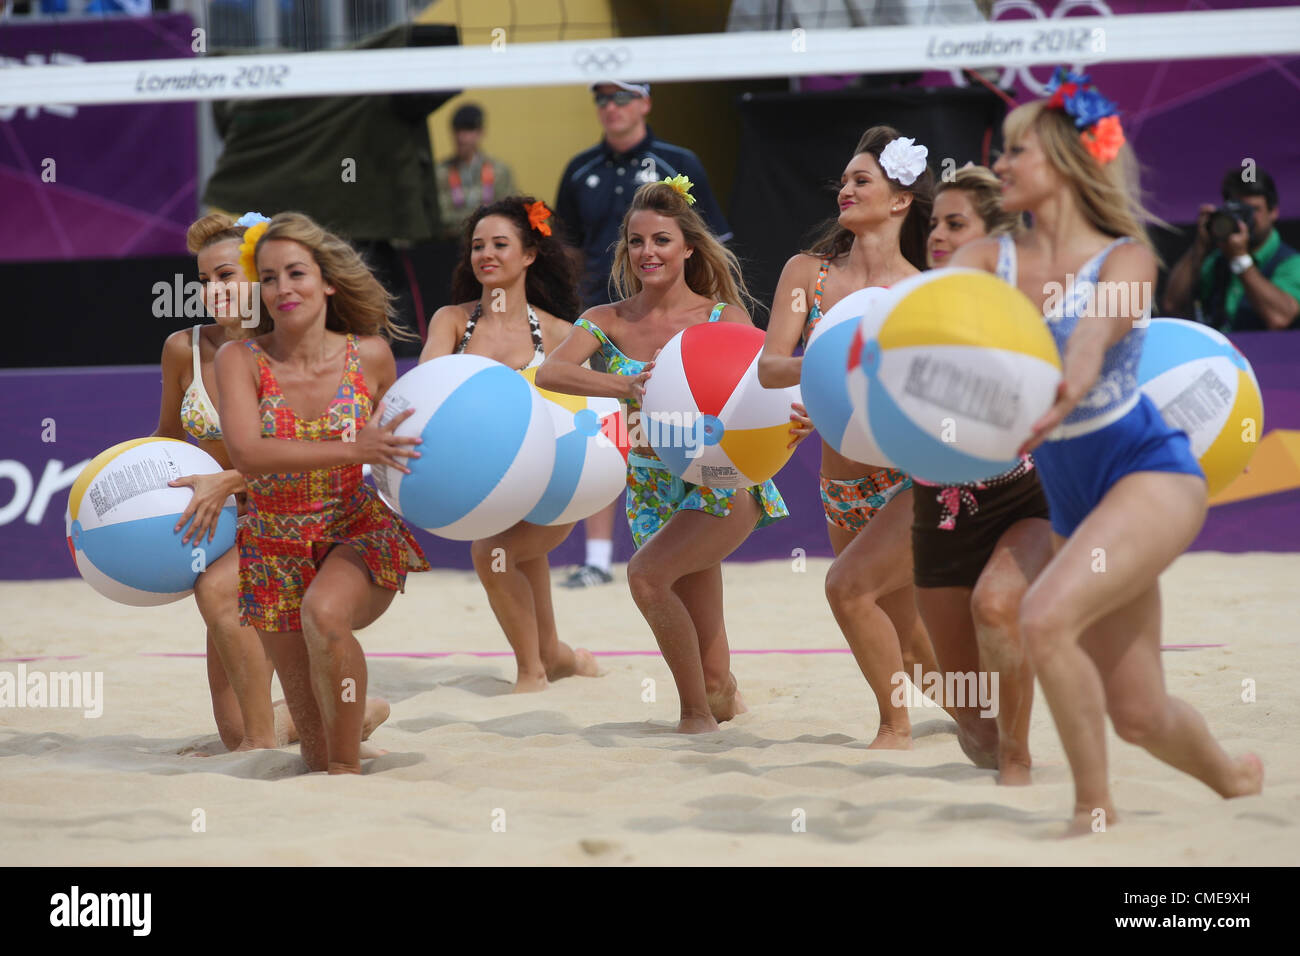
[
  {"x": 525, "y": 684},
  {"x": 253, "y": 744},
  {"x": 1014, "y": 773},
  {"x": 727, "y": 703},
  {"x": 584, "y": 664},
  {"x": 1249, "y": 777},
  {"x": 887, "y": 738},
  {"x": 570, "y": 661},
  {"x": 696, "y": 725},
  {"x": 377, "y": 711},
  {"x": 982, "y": 751},
  {"x": 1086, "y": 822},
  {"x": 370, "y": 750}
]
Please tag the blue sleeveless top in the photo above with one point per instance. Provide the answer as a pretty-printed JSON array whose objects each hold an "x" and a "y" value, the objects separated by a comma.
[{"x": 1115, "y": 392}]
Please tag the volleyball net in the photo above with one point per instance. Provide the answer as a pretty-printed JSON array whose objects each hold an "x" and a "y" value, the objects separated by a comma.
[{"x": 795, "y": 52}]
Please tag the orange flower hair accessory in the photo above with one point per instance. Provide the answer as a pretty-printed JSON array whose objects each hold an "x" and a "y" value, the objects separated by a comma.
[
  {"x": 1103, "y": 139},
  {"x": 247, "y": 249},
  {"x": 537, "y": 216}
]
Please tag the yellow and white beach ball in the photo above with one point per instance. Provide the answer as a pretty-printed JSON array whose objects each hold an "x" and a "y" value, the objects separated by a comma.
[
  {"x": 953, "y": 375},
  {"x": 121, "y": 518},
  {"x": 706, "y": 415},
  {"x": 590, "y": 467},
  {"x": 1204, "y": 386}
]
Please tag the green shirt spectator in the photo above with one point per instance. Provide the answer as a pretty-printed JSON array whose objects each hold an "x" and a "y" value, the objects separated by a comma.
[{"x": 1278, "y": 263}]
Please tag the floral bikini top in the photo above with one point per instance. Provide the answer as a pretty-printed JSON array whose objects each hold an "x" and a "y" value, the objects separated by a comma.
[
  {"x": 620, "y": 364},
  {"x": 198, "y": 414}
]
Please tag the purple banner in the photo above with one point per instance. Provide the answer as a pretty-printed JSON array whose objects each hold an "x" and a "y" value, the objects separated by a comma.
[
  {"x": 55, "y": 420},
  {"x": 1189, "y": 121},
  {"x": 83, "y": 182}
]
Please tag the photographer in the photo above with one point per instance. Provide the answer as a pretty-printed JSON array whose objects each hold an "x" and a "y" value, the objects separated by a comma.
[{"x": 1240, "y": 274}]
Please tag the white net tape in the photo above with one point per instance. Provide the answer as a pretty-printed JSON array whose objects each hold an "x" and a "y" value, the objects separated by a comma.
[{"x": 796, "y": 52}]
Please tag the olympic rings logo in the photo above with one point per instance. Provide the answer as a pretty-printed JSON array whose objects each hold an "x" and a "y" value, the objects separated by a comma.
[
  {"x": 1027, "y": 79},
  {"x": 601, "y": 58}
]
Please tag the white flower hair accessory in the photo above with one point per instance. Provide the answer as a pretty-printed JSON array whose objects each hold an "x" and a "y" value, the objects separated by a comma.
[{"x": 903, "y": 161}]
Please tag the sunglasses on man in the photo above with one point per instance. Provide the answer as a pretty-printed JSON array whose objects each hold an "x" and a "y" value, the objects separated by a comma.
[{"x": 621, "y": 98}]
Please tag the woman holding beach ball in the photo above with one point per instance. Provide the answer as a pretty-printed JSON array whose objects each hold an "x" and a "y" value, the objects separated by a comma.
[{"x": 1127, "y": 496}]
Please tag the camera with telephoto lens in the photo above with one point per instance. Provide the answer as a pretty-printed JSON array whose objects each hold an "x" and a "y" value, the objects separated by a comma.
[{"x": 1225, "y": 220}]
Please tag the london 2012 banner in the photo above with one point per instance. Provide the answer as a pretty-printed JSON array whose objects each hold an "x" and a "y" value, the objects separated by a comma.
[
  {"x": 83, "y": 182},
  {"x": 1190, "y": 120}
]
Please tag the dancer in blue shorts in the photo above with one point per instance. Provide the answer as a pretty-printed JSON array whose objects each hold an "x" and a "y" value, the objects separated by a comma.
[
  {"x": 1126, "y": 494},
  {"x": 671, "y": 273}
]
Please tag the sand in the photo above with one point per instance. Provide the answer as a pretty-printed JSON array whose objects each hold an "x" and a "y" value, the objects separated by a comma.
[{"x": 590, "y": 772}]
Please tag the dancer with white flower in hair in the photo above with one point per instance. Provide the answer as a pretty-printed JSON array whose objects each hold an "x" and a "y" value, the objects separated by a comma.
[{"x": 878, "y": 239}]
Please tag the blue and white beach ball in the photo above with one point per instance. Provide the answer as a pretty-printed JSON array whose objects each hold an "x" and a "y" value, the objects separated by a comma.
[
  {"x": 120, "y": 520},
  {"x": 952, "y": 376},
  {"x": 590, "y": 467},
  {"x": 487, "y": 438},
  {"x": 1204, "y": 386},
  {"x": 822, "y": 381}
]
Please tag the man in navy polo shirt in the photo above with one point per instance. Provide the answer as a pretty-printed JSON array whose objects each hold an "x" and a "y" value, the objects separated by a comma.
[
  {"x": 597, "y": 186},
  {"x": 595, "y": 193}
]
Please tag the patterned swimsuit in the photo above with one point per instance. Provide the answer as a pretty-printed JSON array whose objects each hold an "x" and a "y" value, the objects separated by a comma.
[
  {"x": 295, "y": 519},
  {"x": 851, "y": 503},
  {"x": 655, "y": 494}
]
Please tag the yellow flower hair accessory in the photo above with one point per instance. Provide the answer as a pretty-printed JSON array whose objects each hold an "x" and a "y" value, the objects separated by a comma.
[
  {"x": 682, "y": 185},
  {"x": 248, "y": 247}
]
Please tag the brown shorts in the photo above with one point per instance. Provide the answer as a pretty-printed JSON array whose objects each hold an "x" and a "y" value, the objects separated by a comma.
[{"x": 956, "y": 528}]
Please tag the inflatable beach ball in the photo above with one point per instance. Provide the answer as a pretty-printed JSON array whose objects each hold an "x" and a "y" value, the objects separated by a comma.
[
  {"x": 952, "y": 375},
  {"x": 705, "y": 414},
  {"x": 1204, "y": 386},
  {"x": 120, "y": 520},
  {"x": 822, "y": 381},
  {"x": 590, "y": 467},
  {"x": 487, "y": 438}
]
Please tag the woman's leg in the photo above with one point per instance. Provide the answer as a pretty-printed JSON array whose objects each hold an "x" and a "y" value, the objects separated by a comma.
[
  {"x": 690, "y": 542},
  {"x": 239, "y": 668},
  {"x": 1107, "y": 572},
  {"x": 702, "y": 595},
  {"x": 513, "y": 569},
  {"x": 341, "y": 599},
  {"x": 877, "y": 562},
  {"x": 947, "y": 615},
  {"x": 1020, "y": 554},
  {"x": 288, "y": 650}
]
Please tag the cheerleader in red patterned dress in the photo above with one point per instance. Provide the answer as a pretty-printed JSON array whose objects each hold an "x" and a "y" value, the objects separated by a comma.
[{"x": 320, "y": 555}]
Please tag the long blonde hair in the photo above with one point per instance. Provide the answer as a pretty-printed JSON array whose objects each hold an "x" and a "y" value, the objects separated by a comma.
[
  {"x": 1108, "y": 194},
  {"x": 712, "y": 270},
  {"x": 984, "y": 190},
  {"x": 360, "y": 304}
]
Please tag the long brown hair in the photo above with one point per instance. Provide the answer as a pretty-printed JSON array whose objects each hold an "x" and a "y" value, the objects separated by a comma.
[
  {"x": 360, "y": 304},
  {"x": 552, "y": 279},
  {"x": 833, "y": 240},
  {"x": 712, "y": 270}
]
